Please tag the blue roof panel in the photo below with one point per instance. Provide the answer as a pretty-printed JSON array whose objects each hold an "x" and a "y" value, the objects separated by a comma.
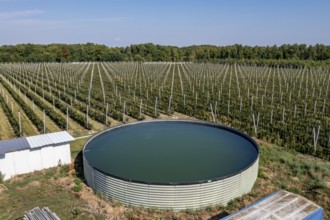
[{"x": 7, "y": 146}]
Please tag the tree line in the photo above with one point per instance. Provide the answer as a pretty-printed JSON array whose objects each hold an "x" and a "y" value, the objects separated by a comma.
[{"x": 286, "y": 54}]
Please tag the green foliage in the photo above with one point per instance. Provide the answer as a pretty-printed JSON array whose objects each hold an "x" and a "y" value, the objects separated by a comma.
[
  {"x": 31, "y": 114},
  {"x": 186, "y": 88},
  {"x": 315, "y": 184},
  {"x": 76, "y": 212},
  {"x": 232, "y": 203},
  {"x": 10, "y": 115},
  {"x": 77, "y": 188},
  {"x": 78, "y": 185},
  {"x": 64, "y": 169},
  {"x": 284, "y": 55},
  {"x": 129, "y": 214},
  {"x": 262, "y": 174}
]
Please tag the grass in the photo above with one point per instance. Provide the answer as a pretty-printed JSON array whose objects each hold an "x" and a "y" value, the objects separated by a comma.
[
  {"x": 77, "y": 145},
  {"x": 63, "y": 190},
  {"x": 6, "y": 132},
  {"x": 48, "y": 188}
]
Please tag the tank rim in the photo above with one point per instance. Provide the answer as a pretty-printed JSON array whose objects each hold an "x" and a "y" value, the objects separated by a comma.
[{"x": 207, "y": 123}]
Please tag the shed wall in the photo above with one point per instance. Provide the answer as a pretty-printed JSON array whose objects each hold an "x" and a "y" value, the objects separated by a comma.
[
  {"x": 21, "y": 161},
  {"x": 62, "y": 154},
  {"x": 7, "y": 165},
  {"x": 25, "y": 161},
  {"x": 47, "y": 156},
  {"x": 35, "y": 159}
]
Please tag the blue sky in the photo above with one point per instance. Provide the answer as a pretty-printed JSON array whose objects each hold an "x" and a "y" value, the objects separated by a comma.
[{"x": 165, "y": 22}]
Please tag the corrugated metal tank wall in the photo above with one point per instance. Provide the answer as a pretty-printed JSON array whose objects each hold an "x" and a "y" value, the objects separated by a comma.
[{"x": 172, "y": 197}]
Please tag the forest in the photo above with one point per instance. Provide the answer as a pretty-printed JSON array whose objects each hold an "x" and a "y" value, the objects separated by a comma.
[{"x": 290, "y": 55}]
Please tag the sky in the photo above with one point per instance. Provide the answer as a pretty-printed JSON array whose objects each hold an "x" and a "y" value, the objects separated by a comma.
[{"x": 165, "y": 22}]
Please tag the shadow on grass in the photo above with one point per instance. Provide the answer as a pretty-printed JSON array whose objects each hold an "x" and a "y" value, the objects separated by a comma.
[
  {"x": 79, "y": 167},
  {"x": 218, "y": 216}
]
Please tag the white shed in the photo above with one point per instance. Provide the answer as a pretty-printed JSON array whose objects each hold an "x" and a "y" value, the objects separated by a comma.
[{"x": 28, "y": 154}]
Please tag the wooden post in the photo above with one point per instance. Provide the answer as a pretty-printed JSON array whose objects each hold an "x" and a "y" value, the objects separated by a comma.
[
  {"x": 255, "y": 123},
  {"x": 44, "y": 121},
  {"x": 20, "y": 123},
  {"x": 315, "y": 104},
  {"x": 155, "y": 111},
  {"x": 213, "y": 117},
  {"x": 184, "y": 100},
  {"x": 215, "y": 108},
  {"x": 124, "y": 110},
  {"x": 87, "y": 109},
  {"x": 169, "y": 104},
  {"x": 271, "y": 116},
  {"x": 316, "y": 138},
  {"x": 251, "y": 103},
  {"x": 106, "y": 114},
  {"x": 290, "y": 97},
  {"x": 67, "y": 118},
  {"x": 140, "y": 108}
]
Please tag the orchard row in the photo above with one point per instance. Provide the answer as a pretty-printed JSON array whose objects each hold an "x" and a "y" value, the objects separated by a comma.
[{"x": 285, "y": 106}]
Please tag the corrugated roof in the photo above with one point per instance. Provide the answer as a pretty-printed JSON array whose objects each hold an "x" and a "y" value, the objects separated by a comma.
[
  {"x": 278, "y": 206},
  {"x": 13, "y": 145},
  {"x": 49, "y": 139},
  {"x": 37, "y": 141},
  {"x": 40, "y": 214},
  {"x": 60, "y": 137}
]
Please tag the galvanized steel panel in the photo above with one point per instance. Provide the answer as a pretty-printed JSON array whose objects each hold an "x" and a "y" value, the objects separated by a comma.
[
  {"x": 172, "y": 197},
  {"x": 169, "y": 196}
]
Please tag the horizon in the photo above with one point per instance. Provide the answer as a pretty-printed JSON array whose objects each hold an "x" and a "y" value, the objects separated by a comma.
[
  {"x": 171, "y": 23},
  {"x": 193, "y": 45}
]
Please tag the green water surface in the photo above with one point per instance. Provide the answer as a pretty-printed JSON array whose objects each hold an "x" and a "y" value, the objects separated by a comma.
[{"x": 170, "y": 152}]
